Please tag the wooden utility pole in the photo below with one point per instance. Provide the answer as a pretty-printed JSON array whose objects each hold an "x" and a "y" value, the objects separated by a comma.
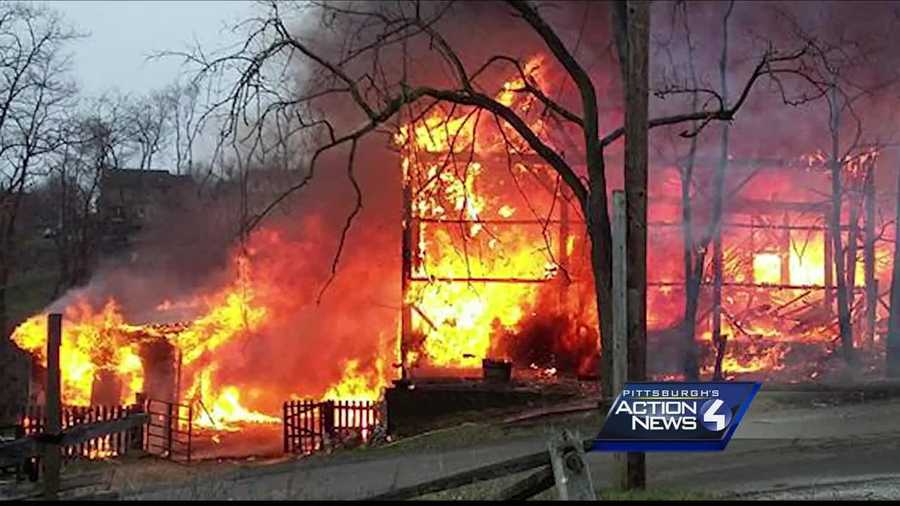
[
  {"x": 54, "y": 406},
  {"x": 406, "y": 275},
  {"x": 620, "y": 322},
  {"x": 632, "y": 30}
]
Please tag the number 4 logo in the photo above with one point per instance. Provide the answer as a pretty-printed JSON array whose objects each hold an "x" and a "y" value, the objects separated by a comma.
[{"x": 713, "y": 419}]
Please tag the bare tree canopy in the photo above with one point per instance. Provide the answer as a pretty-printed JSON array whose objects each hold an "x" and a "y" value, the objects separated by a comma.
[
  {"x": 34, "y": 92},
  {"x": 371, "y": 67}
]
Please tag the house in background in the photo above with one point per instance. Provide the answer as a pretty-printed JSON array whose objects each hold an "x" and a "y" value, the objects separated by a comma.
[{"x": 132, "y": 199}]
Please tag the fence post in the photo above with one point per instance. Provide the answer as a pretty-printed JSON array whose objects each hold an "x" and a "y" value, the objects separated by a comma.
[
  {"x": 190, "y": 433},
  {"x": 284, "y": 424},
  {"x": 137, "y": 434},
  {"x": 54, "y": 406},
  {"x": 328, "y": 421}
]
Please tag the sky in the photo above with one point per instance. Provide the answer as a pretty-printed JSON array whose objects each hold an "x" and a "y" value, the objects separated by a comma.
[{"x": 123, "y": 33}]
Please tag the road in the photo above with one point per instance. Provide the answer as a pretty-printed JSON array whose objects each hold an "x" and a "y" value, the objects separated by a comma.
[{"x": 781, "y": 449}]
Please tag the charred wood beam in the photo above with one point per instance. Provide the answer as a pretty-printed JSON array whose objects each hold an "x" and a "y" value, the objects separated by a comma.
[
  {"x": 533, "y": 159},
  {"x": 758, "y": 226},
  {"x": 749, "y": 285},
  {"x": 451, "y": 279}
]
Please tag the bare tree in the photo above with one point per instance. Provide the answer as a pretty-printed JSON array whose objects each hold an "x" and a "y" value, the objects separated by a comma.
[
  {"x": 840, "y": 58},
  {"x": 96, "y": 140},
  {"x": 149, "y": 125},
  {"x": 34, "y": 92},
  {"x": 378, "y": 70},
  {"x": 893, "y": 337},
  {"x": 182, "y": 100}
]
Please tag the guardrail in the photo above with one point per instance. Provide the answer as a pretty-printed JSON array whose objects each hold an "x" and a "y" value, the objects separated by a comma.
[{"x": 561, "y": 465}]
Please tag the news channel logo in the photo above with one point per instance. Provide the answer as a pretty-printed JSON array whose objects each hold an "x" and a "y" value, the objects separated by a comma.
[{"x": 675, "y": 416}]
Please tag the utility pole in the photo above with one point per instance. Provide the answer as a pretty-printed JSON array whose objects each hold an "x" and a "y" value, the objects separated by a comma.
[
  {"x": 620, "y": 322},
  {"x": 53, "y": 406}
]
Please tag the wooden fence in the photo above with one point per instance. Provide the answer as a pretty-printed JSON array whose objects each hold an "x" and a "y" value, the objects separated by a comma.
[
  {"x": 351, "y": 417},
  {"x": 310, "y": 426},
  {"x": 33, "y": 422}
]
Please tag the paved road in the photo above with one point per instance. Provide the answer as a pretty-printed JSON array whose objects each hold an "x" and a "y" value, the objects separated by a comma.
[{"x": 792, "y": 448}]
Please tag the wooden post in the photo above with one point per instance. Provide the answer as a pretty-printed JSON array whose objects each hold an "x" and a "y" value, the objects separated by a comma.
[
  {"x": 170, "y": 419},
  {"x": 570, "y": 470},
  {"x": 405, "y": 276},
  {"x": 786, "y": 252},
  {"x": 328, "y": 419},
  {"x": 284, "y": 426},
  {"x": 620, "y": 297},
  {"x": 852, "y": 250},
  {"x": 637, "y": 33},
  {"x": 177, "y": 398},
  {"x": 137, "y": 434},
  {"x": 190, "y": 432},
  {"x": 869, "y": 257},
  {"x": 54, "y": 406},
  {"x": 620, "y": 324}
]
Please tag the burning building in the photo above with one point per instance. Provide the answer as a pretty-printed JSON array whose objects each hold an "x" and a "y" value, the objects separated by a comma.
[{"x": 471, "y": 247}]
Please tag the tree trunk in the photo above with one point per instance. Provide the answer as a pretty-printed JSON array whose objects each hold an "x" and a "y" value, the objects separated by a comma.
[
  {"x": 691, "y": 362},
  {"x": 852, "y": 248},
  {"x": 6, "y": 255},
  {"x": 601, "y": 264},
  {"x": 869, "y": 256},
  {"x": 840, "y": 261},
  {"x": 718, "y": 202},
  {"x": 695, "y": 254},
  {"x": 893, "y": 337},
  {"x": 694, "y": 259},
  {"x": 717, "y": 338},
  {"x": 4, "y": 310},
  {"x": 846, "y": 331}
]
